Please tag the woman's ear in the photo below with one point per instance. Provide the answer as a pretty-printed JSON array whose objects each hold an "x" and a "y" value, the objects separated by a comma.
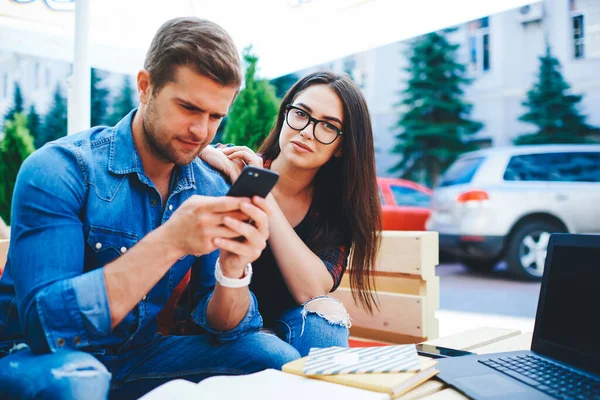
[{"x": 339, "y": 152}]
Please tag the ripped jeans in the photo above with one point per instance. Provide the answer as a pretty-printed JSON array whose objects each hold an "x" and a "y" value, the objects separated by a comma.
[
  {"x": 320, "y": 322},
  {"x": 64, "y": 375}
]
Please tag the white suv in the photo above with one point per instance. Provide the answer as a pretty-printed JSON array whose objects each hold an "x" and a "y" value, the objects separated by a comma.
[{"x": 503, "y": 203}]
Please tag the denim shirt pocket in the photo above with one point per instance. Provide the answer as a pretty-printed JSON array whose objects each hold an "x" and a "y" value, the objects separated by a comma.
[{"x": 107, "y": 244}]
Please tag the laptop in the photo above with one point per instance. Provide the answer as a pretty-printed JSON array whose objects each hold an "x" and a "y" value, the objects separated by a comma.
[{"x": 564, "y": 360}]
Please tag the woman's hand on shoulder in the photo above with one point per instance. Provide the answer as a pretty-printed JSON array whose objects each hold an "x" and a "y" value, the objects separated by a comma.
[
  {"x": 243, "y": 155},
  {"x": 219, "y": 161}
]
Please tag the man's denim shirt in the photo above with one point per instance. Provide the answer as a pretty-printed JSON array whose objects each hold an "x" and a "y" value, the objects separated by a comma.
[{"x": 79, "y": 203}]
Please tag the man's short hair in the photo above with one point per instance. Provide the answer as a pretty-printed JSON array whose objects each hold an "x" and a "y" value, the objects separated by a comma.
[{"x": 197, "y": 43}]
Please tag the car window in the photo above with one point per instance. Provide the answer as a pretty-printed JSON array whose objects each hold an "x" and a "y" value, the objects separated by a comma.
[
  {"x": 461, "y": 172},
  {"x": 555, "y": 167},
  {"x": 381, "y": 199},
  {"x": 406, "y": 196}
]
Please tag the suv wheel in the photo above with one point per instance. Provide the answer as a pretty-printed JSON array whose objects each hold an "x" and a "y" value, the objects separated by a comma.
[
  {"x": 527, "y": 249},
  {"x": 478, "y": 265}
]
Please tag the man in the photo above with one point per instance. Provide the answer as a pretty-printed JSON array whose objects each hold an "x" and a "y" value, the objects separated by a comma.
[{"x": 108, "y": 221}]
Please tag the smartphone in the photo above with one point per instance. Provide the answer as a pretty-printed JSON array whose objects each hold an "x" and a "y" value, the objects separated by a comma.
[
  {"x": 431, "y": 351},
  {"x": 253, "y": 182}
]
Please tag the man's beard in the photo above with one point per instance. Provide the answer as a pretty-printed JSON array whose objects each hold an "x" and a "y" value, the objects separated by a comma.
[{"x": 152, "y": 142}]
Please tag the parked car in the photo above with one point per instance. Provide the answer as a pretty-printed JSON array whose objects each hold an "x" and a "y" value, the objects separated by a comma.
[
  {"x": 503, "y": 203},
  {"x": 405, "y": 204}
]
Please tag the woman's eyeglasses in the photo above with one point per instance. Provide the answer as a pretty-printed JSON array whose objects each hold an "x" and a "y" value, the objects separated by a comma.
[{"x": 323, "y": 131}]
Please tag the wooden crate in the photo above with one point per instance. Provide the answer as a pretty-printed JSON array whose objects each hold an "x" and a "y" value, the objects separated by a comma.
[{"x": 407, "y": 289}]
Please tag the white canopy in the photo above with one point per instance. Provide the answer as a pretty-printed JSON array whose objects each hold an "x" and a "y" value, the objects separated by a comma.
[
  {"x": 114, "y": 34},
  {"x": 121, "y": 30}
]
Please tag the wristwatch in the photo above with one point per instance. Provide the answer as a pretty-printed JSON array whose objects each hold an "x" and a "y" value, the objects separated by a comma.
[{"x": 232, "y": 282}]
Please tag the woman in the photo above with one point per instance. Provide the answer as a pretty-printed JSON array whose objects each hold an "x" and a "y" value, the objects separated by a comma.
[{"x": 325, "y": 203}]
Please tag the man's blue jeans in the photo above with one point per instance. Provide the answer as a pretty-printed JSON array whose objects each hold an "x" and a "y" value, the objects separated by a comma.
[
  {"x": 193, "y": 358},
  {"x": 64, "y": 375},
  {"x": 320, "y": 322},
  {"x": 69, "y": 374}
]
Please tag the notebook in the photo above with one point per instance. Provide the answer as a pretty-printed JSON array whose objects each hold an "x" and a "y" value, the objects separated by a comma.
[
  {"x": 269, "y": 384},
  {"x": 394, "y": 384},
  {"x": 343, "y": 360}
]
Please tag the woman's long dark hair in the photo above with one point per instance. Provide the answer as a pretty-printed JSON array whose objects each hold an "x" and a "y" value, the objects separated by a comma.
[{"x": 345, "y": 188}]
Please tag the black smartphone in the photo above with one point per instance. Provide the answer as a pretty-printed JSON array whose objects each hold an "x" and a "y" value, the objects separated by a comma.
[
  {"x": 253, "y": 182},
  {"x": 431, "y": 351}
]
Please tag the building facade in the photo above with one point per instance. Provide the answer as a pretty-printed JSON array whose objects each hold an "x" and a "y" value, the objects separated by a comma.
[{"x": 501, "y": 52}]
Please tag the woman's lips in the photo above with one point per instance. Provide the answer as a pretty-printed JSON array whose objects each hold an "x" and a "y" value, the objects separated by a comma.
[{"x": 301, "y": 147}]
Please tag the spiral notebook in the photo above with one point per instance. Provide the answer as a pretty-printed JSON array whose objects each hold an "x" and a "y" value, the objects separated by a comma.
[
  {"x": 361, "y": 360},
  {"x": 394, "y": 384}
]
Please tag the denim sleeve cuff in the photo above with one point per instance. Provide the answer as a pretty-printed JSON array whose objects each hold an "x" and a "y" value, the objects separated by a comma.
[
  {"x": 90, "y": 289},
  {"x": 84, "y": 317},
  {"x": 252, "y": 321}
]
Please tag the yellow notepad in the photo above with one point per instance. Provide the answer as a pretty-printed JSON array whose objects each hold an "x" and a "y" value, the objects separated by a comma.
[{"x": 395, "y": 383}]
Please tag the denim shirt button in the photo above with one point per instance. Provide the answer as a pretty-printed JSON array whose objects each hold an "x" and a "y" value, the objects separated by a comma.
[
  {"x": 76, "y": 340},
  {"x": 144, "y": 298},
  {"x": 123, "y": 249},
  {"x": 98, "y": 246},
  {"x": 153, "y": 202},
  {"x": 60, "y": 342},
  {"x": 170, "y": 207}
]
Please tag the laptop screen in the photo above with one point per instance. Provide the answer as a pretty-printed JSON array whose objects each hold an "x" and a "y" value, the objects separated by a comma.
[{"x": 571, "y": 301}]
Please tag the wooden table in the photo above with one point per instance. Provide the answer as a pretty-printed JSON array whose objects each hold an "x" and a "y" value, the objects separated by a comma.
[{"x": 481, "y": 341}]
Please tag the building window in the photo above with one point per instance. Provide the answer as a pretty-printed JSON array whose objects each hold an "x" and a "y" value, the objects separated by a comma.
[
  {"x": 355, "y": 69},
  {"x": 47, "y": 78},
  {"x": 486, "y": 52},
  {"x": 36, "y": 75},
  {"x": 585, "y": 28},
  {"x": 479, "y": 45},
  {"x": 4, "y": 85},
  {"x": 578, "y": 38}
]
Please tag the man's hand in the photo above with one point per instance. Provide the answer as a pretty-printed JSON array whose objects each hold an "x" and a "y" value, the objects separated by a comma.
[
  {"x": 236, "y": 254},
  {"x": 199, "y": 220}
]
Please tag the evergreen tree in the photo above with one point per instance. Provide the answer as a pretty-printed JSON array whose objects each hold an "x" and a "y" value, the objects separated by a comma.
[
  {"x": 99, "y": 96},
  {"x": 253, "y": 114},
  {"x": 435, "y": 127},
  {"x": 552, "y": 110},
  {"x": 33, "y": 122},
  {"x": 15, "y": 147},
  {"x": 17, "y": 105},
  {"x": 283, "y": 83},
  {"x": 124, "y": 102},
  {"x": 55, "y": 122}
]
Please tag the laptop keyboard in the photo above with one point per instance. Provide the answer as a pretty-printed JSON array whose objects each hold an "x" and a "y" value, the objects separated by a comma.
[{"x": 550, "y": 378}]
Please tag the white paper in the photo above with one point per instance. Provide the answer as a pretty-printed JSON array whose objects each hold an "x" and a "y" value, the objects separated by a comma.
[{"x": 269, "y": 384}]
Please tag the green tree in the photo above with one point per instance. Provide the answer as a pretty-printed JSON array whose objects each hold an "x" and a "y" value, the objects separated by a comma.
[
  {"x": 17, "y": 105},
  {"x": 435, "y": 124},
  {"x": 254, "y": 111},
  {"x": 283, "y": 83},
  {"x": 33, "y": 122},
  {"x": 99, "y": 97},
  {"x": 15, "y": 147},
  {"x": 553, "y": 110},
  {"x": 124, "y": 102},
  {"x": 55, "y": 122}
]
